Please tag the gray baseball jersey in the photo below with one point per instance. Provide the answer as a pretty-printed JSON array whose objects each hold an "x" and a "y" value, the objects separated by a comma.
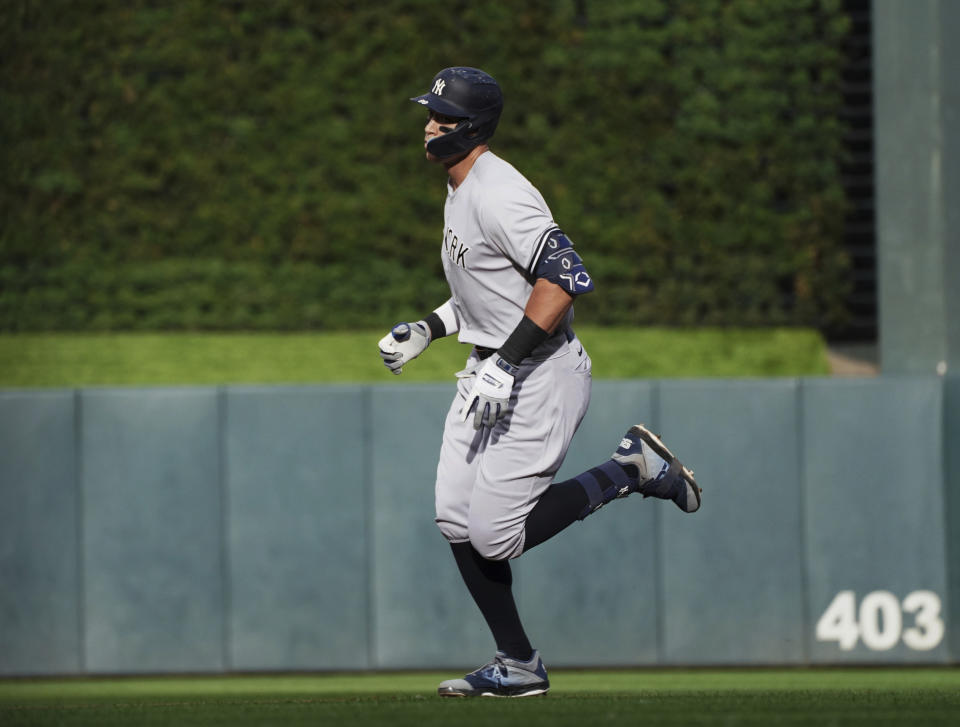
[{"x": 495, "y": 225}]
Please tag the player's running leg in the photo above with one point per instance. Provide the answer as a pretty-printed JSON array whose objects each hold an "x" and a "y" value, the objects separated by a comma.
[
  {"x": 642, "y": 463},
  {"x": 490, "y": 583}
]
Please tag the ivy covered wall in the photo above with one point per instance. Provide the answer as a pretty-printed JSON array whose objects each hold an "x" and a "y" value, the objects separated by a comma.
[{"x": 247, "y": 165}]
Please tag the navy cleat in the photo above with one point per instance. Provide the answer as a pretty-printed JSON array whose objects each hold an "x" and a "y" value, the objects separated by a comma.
[
  {"x": 659, "y": 473},
  {"x": 502, "y": 677}
]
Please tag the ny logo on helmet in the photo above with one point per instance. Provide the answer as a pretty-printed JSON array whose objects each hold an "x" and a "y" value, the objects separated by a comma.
[{"x": 438, "y": 86}]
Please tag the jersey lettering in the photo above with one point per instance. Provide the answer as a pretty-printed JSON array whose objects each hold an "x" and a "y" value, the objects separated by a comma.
[{"x": 455, "y": 249}]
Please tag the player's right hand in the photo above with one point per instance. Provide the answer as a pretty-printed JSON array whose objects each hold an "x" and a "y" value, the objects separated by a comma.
[
  {"x": 490, "y": 396},
  {"x": 404, "y": 343}
]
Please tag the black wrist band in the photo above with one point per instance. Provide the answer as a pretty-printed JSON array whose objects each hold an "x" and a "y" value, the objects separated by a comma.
[
  {"x": 521, "y": 343},
  {"x": 435, "y": 324}
]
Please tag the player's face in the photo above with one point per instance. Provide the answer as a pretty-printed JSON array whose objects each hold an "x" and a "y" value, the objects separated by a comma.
[{"x": 437, "y": 124}]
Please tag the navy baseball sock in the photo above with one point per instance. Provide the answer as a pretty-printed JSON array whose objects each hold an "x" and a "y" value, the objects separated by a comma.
[
  {"x": 490, "y": 583},
  {"x": 557, "y": 508},
  {"x": 566, "y": 502}
]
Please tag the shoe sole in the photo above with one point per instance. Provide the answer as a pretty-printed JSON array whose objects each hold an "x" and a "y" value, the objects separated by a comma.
[
  {"x": 450, "y": 692},
  {"x": 653, "y": 441}
]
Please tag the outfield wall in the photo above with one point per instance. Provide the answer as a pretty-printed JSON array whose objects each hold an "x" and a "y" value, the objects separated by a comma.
[{"x": 279, "y": 528}]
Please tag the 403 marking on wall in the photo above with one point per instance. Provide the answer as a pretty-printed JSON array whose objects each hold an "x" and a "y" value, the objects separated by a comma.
[{"x": 882, "y": 621}]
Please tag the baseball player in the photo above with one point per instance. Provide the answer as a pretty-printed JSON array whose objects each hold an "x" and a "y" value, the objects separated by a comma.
[{"x": 513, "y": 277}]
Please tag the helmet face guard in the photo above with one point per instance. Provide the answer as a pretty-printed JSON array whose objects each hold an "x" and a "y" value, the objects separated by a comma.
[{"x": 472, "y": 97}]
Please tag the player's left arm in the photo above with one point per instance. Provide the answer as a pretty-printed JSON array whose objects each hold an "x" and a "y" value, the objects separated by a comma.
[{"x": 560, "y": 277}]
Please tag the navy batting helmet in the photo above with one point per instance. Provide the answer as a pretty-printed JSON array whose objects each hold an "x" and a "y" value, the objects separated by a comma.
[{"x": 472, "y": 97}]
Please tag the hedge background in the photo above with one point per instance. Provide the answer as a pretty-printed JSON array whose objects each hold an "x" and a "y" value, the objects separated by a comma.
[{"x": 257, "y": 165}]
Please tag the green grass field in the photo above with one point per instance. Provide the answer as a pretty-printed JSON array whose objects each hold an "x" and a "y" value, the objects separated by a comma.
[
  {"x": 919, "y": 696},
  {"x": 71, "y": 360}
]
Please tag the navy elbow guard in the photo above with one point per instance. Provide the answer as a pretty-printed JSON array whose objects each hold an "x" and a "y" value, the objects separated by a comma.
[{"x": 560, "y": 264}]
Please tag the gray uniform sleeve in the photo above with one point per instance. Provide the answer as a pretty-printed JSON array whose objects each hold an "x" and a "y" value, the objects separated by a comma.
[{"x": 516, "y": 219}]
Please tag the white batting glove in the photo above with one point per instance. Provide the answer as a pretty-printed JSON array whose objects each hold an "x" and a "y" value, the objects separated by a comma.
[
  {"x": 491, "y": 392},
  {"x": 404, "y": 343}
]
